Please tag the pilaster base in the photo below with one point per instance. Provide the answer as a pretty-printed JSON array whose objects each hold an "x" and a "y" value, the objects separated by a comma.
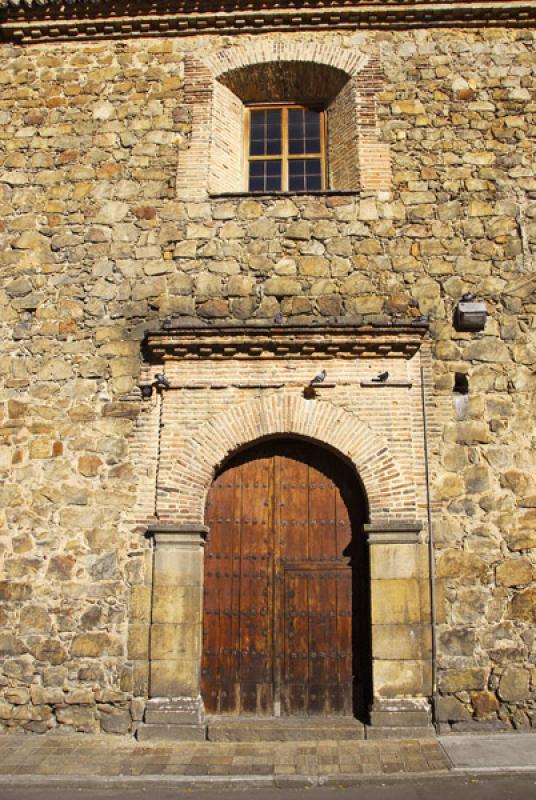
[
  {"x": 398, "y": 718},
  {"x": 175, "y": 719}
]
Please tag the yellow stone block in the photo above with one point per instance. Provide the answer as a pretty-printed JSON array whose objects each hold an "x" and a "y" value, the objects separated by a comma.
[
  {"x": 396, "y": 601},
  {"x": 140, "y": 603},
  {"x": 398, "y": 561},
  {"x": 176, "y": 566},
  {"x": 138, "y": 642},
  {"x": 174, "y": 678},
  {"x": 170, "y": 641},
  {"x": 140, "y": 678},
  {"x": 401, "y": 642},
  {"x": 399, "y": 678},
  {"x": 177, "y": 604}
]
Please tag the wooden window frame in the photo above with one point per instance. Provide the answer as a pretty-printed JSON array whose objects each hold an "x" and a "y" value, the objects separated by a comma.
[{"x": 284, "y": 156}]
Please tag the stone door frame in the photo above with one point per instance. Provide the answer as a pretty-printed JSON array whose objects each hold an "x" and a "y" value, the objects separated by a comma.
[{"x": 398, "y": 557}]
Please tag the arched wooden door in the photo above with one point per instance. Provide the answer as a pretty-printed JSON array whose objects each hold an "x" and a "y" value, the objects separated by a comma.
[{"x": 285, "y": 614}]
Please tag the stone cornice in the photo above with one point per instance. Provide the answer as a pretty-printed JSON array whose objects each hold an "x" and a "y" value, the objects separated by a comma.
[
  {"x": 24, "y": 21},
  {"x": 401, "y": 340}
]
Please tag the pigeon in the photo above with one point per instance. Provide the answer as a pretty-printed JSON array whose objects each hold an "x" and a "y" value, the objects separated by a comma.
[
  {"x": 162, "y": 381},
  {"x": 381, "y": 378},
  {"x": 278, "y": 319},
  {"x": 320, "y": 378}
]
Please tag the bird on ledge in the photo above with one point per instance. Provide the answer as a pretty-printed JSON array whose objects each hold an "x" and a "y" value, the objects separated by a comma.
[
  {"x": 381, "y": 378},
  {"x": 320, "y": 378}
]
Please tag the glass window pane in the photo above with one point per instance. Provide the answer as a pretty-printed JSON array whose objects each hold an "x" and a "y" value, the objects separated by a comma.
[
  {"x": 314, "y": 183},
  {"x": 296, "y": 183},
  {"x": 265, "y": 132},
  {"x": 313, "y": 166},
  {"x": 256, "y": 169},
  {"x": 296, "y": 175},
  {"x": 312, "y": 146},
  {"x": 265, "y": 176},
  {"x": 273, "y": 185},
  {"x": 312, "y": 123},
  {"x": 273, "y": 147},
  {"x": 257, "y": 120},
  {"x": 313, "y": 174},
  {"x": 273, "y": 168},
  {"x": 305, "y": 174},
  {"x": 296, "y": 131},
  {"x": 296, "y": 147}
]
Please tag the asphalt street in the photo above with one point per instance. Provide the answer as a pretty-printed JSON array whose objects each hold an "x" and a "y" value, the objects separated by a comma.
[{"x": 449, "y": 787}]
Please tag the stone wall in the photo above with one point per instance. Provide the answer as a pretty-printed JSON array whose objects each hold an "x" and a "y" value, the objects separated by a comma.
[{"x": 97, "y": 245}]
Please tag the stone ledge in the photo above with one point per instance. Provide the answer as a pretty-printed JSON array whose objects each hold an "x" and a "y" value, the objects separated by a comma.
[
  {"x": 257, "y": 342},
  {"x": 394, "y": 532},
  {"x": 81, "y": 22}
]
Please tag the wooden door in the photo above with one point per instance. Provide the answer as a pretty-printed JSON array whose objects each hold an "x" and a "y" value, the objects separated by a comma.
[{"x": 279, "y": 630}]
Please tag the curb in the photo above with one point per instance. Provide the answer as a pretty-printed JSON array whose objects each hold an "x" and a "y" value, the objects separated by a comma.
[
  {"x": 188, "y": 782},
  {"x": 211, "y": 781}
]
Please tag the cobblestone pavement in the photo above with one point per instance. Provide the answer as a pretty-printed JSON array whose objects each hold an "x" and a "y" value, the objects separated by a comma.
[{"x": 80, "y": 755}]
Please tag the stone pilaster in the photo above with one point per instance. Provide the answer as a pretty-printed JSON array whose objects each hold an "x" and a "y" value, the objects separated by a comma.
[
  {"x": 401, "y": 630},
  {"x": 175, "y": 709}
]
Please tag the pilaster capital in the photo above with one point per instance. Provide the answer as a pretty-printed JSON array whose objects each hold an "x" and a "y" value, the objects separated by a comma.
[
  {"x": 170, "y": 534},
  {"x": 394, "y": 531}
]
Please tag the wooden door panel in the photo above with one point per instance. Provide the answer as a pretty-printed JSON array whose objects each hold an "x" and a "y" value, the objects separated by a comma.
[
  {"x": 317, "y": 670},
  {"x": 255, "y": 601},
  {"x": 278, "y": 587}
]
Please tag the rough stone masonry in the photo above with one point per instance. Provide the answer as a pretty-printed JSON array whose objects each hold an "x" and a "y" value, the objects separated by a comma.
[{"x": 98, "y": 246}]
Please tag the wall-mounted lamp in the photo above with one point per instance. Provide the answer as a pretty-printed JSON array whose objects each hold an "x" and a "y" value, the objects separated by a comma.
[
  {"x": 146, "y": 390},
  {"x": 160, "y": 382},
  {"x": 470, "y": 314}
]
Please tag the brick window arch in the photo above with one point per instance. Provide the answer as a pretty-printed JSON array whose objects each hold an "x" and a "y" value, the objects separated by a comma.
[
  {"x": 219, "y": 90},
  {"x": 291, "y": 83}
]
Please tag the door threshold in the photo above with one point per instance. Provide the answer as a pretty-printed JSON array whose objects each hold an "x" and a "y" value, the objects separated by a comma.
[{"x": 247, "y": 728}]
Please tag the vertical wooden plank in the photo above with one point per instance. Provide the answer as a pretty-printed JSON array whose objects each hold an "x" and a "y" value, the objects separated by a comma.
[
  {"x": 293, "y": 507},
  {"x": 255, "y": 606},
  {"x": 343, "y": 526},
  {"x": 291, "y": 538},
  {"x": 228, "y": 582},
  {"x": 296, "y": 644},
  {"x": 345, "y": 661},
  {"x": 279, "y": 639},
  {"x": 210, "y": 661},
  {"x": 323, "y": 540}
]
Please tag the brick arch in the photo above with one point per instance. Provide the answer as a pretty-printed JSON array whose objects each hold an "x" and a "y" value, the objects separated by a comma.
[
  {"x": 213, "y": 160},
  {"x": 226, "y": 432},
  {"x": 258, "y": 52}
]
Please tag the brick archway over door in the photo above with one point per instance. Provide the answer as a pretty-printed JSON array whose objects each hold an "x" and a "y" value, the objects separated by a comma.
[{"x": 187, "y": 473}]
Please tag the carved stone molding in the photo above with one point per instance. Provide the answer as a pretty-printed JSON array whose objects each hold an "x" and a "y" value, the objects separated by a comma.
[
  {"x": 394, "y": 532},
  {"x": 57, "y": 21},
  {"x": 284, "y": 341}
]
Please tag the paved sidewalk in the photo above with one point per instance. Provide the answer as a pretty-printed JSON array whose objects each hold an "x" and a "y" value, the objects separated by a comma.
[
  {"x": 107, "y": 760},
  {"x": 501, "y": 752},
  {"x": 91, "y": 761}
]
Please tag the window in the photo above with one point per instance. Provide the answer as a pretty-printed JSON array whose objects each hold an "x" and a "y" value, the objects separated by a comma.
[{"x": 286, "y": 149}]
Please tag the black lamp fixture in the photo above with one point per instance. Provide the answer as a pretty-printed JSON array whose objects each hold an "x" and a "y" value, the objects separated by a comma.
[
  {"x": 160, "y": 382},
  {"x": 470, "y": 314}
]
